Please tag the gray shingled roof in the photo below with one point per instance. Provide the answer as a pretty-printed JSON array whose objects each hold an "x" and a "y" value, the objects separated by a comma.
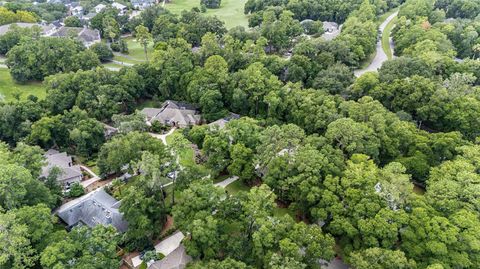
[
  {"x": 182, "y": 114},
  {"x": 93, "y": 209},
  {"x": 178, "y": 259},
  {"x": 62, "y": 161},
  {"x": 44, "y": 28}
]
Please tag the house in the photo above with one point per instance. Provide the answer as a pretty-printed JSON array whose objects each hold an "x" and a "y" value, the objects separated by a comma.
[
  {"x": 331, "y": 29},
  {"x": 173, "y": 113},
  {"x": 94, "y": 208},
  {"x": 45, "y": 29},
  {"x": 88, "y": 17},
  {"x": 122, "y": 9},
  {"x": 76, "y": 11},
  {"x": 98, "y": 8},
  {"x": 142, "y": 4},
  {"x": 70, "y": 173},
  {"x": 85, "y": 35},
  {"x": 220, "y": 124},
  {"x": 175, "y": 255}
]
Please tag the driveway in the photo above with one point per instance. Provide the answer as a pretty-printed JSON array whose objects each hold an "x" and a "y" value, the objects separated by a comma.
[
  {"x": 226, "y": 182},
  {"x": 380, "y": 55},
  {"x": 94, "y": 177},
  {"x": 163, "y": 137}
]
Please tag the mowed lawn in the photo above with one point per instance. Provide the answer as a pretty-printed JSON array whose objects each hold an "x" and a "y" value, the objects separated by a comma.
[
  {"x": 8, "y": 87},
  {"x": 136, "y": 54},
  {"x": 230, "y": 11}
]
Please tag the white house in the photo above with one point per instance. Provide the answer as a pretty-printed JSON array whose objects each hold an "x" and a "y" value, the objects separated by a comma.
[
  {"x": 98, "y": 8},
  {"x": 122, "y": 9}
]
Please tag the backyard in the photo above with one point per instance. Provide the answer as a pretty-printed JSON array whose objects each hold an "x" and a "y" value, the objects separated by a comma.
[
  {"x": 230, "y": 11},
  {"x": 8, "y": 88},
  {"x": 135, "y": 55}
]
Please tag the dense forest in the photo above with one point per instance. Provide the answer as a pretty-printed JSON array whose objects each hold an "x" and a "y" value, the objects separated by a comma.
[{"x": 341, "y": 154}]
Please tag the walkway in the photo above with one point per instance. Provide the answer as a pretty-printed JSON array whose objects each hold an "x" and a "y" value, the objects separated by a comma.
[
  {"x": 380, "y": 55},
  {"x": 163, "y": 137},
  {"x": 90, "y": 181},
  {"x": 226, "y": 182}
]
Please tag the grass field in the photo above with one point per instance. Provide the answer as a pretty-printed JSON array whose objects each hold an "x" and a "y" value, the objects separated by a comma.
[
  {"x": 230, "y": 11},
  {"x": 8, "y": 88},
  {"x": 135, "y": 55}
]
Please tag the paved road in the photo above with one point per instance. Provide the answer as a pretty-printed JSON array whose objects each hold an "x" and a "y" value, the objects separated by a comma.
[{"x": 380, "y": 55}]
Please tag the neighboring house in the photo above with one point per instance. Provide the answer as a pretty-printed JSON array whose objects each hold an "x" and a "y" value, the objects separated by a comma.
[
  {"x": 69, "y": 173},
  {"x": 88, "y": 17},
  {"x": 174, "y": 114},
  {"x": 220, "y": 124},
  {"x": 85, "y": 35},
  {"x": 95, "y": 208},
  {"x": 122, "y": 9},
  {"x": 45, "y": 29},
  {"x": 142, "y": 4},
  {"x": 76, "y": 11},
  {"x": 331, "y": 29},
  {"x": 175, "y": 255},
  {"x": 98, "y": 8}
]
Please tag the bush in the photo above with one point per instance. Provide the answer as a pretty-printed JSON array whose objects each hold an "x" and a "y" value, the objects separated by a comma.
[
  {"x": 76, "y": 190},
  {"x": 158, "y": 127},
  {"x": 103, "y": 52},
  {"x": 120, "y": 46},
  {"x": 211, "y": 3}
]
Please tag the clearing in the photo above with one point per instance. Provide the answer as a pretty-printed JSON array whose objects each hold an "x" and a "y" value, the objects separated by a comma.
[
  {"x": 135, "y": 55},
  {"x": 8, "y": 88},
  {"x": 230, "y": 11}
]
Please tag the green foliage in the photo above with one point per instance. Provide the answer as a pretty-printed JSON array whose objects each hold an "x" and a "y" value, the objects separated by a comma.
[
  {"x": 76, "y": 190},
  {"x": 72, "y": 21},
  {"x": 45, "y": 56},
  {"x": 103, "y": 52}
]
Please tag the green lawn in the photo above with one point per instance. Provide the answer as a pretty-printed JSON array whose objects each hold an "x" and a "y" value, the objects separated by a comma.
[
  {"x": 8, "y": 87},
  {"x": 236, "y": 187},
  {"x": 135, "y": 55},
  {"x": 230, "y": 11},
  {"x": 386, "y": 38}
]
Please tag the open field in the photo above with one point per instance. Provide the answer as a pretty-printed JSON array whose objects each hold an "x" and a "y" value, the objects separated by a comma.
[
  {"x": 8, "y": 88},
  {"x": 230, "y": 11},
  {"x": 135, "y": 55}
]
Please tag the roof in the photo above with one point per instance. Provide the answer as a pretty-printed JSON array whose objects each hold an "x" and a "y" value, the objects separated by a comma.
[
  {"x": 84, "y": 34},
  {"x": 223, "y": 121},
  {"x": 118, "y": 5},
  {"x": 62, "y": 161},
  {"x": 169, "y": 247},
  {"x": 178, "y": 259},
  {"x": 331, "y": 30},
  {"x": 95, "y": 208},
  {"x": 181, "y": 114},
  {"x": 100, "y": 6},
  {"x": 169, "y": 244},
  {"x": 44, "y": 28}
]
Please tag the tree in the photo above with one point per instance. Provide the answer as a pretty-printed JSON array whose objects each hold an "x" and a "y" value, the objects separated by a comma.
[
  {"x": 211, "y": 3},
  {"x": 83, "y": 247},
  {"x": 242, "y": 163},
  {"x": 103, "y": 52},
  {"x": 111, "y": 29},
  {"x": 144, "y": 37},
  {"x": 72, "y": 21},
  {"x": 16, "y": 251},
  {"x": 76, "y": 190},
  {"x": 378, "y": 258}
]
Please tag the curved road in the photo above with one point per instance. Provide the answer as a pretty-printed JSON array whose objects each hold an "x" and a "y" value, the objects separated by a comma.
[{"x": 380, "y": 56}]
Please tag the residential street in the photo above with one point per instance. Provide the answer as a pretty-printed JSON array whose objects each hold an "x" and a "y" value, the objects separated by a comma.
[{"x": 380, "y": 56}]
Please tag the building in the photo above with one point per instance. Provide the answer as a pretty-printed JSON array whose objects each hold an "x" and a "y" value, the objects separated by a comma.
[
  {"x": 172, "y": 113},
  {"x": 122, "y": 9},
  {"x": 94, "y": 208},
  {"x": 220, "y": 124},
  {"x": 70, "y": 173},
  {"x": 142, "y": 4},
  {"x": 98, "y": 8},
  {"x": 45, "y": 29},
  {"x": 175, "y": 255},
  {"x": 76, "y": 11},
  {"x": 85, "y": 35}
]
